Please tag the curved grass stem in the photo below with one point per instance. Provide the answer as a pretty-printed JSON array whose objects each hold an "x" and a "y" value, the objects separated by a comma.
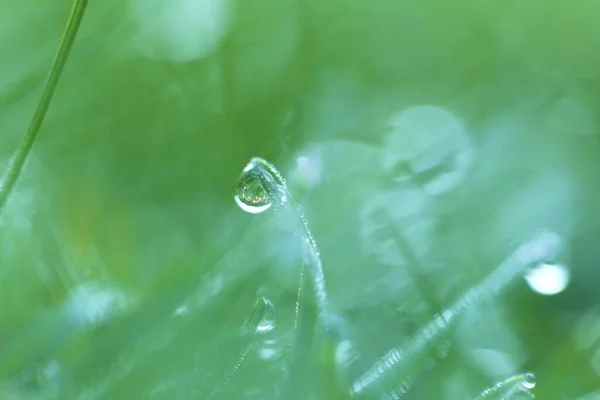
[
  {"x": 274, "y": 191},
  {"x": 19, "y": 157}
]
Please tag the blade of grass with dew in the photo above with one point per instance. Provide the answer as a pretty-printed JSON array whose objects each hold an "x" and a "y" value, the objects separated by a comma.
[
  {"x": 399, "y": 360},
  {"x": 261, "y": 185},
  {"x": 521, "y": 383},
  {"x": 19, "y": 157}
]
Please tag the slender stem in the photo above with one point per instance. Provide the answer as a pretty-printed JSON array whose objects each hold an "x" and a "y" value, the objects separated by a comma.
[
  {"x": 299, "y": 351},
  {"x": 249, "y": 328},
  {"x": 19, "y": 157}
]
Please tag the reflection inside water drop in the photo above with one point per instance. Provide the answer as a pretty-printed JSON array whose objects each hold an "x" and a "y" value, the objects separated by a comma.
[
  {"x": 529, "y": 381},
  {"x": 251, "y": 195},
  {"x": 260, "y": 185}
]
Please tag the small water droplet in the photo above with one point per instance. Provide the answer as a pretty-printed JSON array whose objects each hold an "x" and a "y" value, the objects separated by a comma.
[
  {"x": 529, "y": 381},
  {"x": 267, "y": 323}
]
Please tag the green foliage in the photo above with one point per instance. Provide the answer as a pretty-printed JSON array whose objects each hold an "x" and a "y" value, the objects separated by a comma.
[{"x": 127, "y": 271}]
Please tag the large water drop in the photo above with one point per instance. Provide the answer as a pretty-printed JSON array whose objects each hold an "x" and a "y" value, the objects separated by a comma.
[
  {"x": 259, "y": 184},
  {"x": 529, "y": 381}
]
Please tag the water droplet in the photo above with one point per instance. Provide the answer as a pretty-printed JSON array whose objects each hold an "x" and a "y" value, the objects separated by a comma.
[
  {"x": 251, "y": 195},
  {"x": 529, "y": 381},
  {"x": 267, "y": 323},
  {"x": 260, "y": 186}
]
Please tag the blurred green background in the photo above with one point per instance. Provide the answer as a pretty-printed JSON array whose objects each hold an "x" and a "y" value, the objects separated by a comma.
[{"x": 127, "y": 270}]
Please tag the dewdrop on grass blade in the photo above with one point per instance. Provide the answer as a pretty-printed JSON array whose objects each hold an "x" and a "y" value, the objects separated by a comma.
[
  {"x": 543, "y": 247},
  {"x": 521, "y": 383},
  {"x": 262, "y": 186},
  {"x": 252, "y": 195}
]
